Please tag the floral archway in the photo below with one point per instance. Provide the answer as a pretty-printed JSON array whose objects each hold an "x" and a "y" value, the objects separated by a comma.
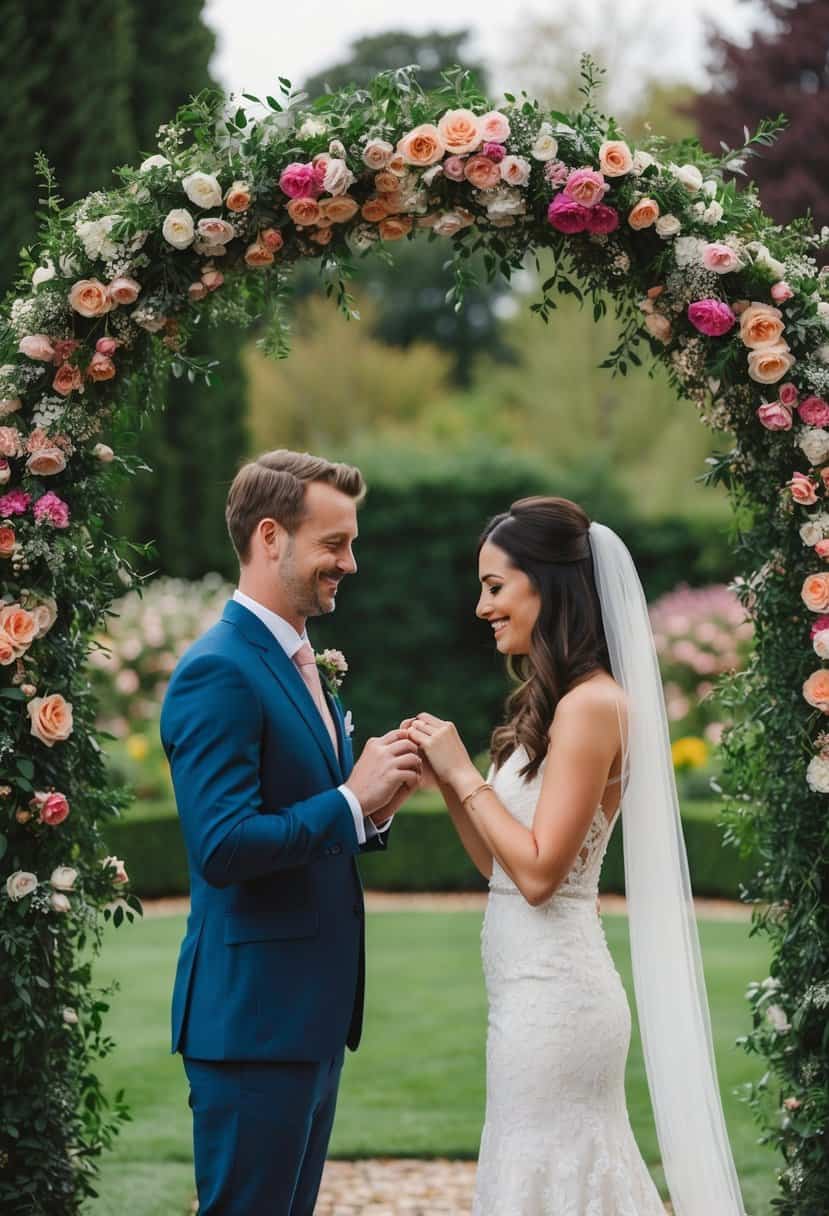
[{"x": 700, "y": 279}]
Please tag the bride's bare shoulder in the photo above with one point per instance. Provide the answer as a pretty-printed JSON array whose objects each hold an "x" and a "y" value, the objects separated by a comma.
[{"x": 597, "y": 697}]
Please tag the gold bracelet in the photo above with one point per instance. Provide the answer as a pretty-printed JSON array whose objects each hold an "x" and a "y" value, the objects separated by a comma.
[{"x": 479, "y": 789}]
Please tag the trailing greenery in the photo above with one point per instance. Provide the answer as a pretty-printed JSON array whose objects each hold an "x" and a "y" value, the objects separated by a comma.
[{"x": 106, "y": 304}]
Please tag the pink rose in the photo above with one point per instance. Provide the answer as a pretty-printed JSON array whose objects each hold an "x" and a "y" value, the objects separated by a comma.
[
  {"x": 602, "y": 220},
  {"x": 586, "y": 186},
  {"x": 124, "y": 290},
  {"x": 788, "y": 395},
  {"x": 64, "y": 349},
  {"x": 300, "y": 181},
  {"x": 814, "y": 411},
  {"x": 775, "y": 416},
  {"x": 556, "y": 173},
  {"x": 51, "y": 510},
  {"x": 515, "y": 170},
  {"x": 107, "y": 346},
  {"x": 495, "y": 152},
  {"x": 52, "y": 807},
  {"x": 90, "y": 298},
  {"x": 377, "y": 153},
  {"x": 483, "y": 173},
  {"x": 51, "y": 719},
  {"x": 720, "y": 258},
  {"x": 822, "y": 548},
  {"x": 212, "y": 278},
  {"x": 16, "y": 502},
  {"x": 100, "y": 367},
  {"x": 67, "y": 379},
  {"x": 453, "y": 168},
  {"x": 781, "y": 292},
  {"x": 37, "y": 346},
  {"x": 495, "y": 127},
  {"x": 820, "y": 624},
  {"x": 711, "y": 317},
  {"x": 215, "y": 230},
  {"x": 565, "y": 215},
  {"x": 802, "y": 489},
  {"x": 10, "y": 442}
]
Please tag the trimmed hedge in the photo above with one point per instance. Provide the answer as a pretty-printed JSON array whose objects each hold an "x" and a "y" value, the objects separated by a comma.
[{"x": 425, "y": 855}]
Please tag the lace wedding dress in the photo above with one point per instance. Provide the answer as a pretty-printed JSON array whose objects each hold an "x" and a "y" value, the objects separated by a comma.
[{"x": 557, "y": 1139}]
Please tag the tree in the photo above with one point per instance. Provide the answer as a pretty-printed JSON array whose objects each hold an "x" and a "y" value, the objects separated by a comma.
[
  {"x": 783, "y": 68},
  {"x": 433, "y": 51}
]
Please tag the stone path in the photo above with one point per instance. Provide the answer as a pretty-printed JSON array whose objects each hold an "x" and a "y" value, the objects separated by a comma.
[{"x": 387, "y": 1187}]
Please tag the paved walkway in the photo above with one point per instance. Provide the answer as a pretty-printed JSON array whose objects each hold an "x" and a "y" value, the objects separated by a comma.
[{"x": 385, "y": 1187}]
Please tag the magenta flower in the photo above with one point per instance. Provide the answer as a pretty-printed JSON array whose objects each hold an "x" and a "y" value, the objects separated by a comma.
[
  {"x": 602, "y": 220},
  {"x": 16, "y": 502},
  {"x": 567, "y": 216},
  {"x": 495, "y": 152},
  {"x": 814, "y": 411},
  {"x": 49, "y": 509},
  {"x": 299, "y": 181},
  {"x": 820, "y": 624},
  {"x": 775, "y": 417},
  {"x": 711, "y": 317}
]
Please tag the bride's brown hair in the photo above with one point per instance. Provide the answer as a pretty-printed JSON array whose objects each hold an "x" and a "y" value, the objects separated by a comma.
[{"x": 548, "y": 539}]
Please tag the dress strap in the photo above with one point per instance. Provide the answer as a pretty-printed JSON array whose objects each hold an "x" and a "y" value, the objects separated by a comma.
[{"x": 622, "y": 776}]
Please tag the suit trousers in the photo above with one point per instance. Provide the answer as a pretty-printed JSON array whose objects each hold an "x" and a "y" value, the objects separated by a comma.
[{"x": 260, "y": 1133}]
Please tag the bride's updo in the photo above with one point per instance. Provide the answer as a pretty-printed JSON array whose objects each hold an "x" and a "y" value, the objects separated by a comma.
[{"x": 548, "y": 539}]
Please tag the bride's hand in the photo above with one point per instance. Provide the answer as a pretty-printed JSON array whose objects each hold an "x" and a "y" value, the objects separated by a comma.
[
  {"x": 428, "y": 776},
  {"x": 441, "y": 746}
]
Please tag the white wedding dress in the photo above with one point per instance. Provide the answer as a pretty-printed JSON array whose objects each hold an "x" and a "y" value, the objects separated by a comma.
[{"x": 557, "y": 1139}]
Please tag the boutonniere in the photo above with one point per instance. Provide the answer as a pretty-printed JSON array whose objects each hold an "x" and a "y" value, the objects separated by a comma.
[{"x": 332, "y": 667}]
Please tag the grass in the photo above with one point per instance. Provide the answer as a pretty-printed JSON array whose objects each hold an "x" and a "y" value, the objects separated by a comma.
[{"x": 416, "y": 1087}]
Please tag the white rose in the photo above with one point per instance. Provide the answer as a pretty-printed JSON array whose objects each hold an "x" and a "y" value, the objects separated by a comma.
[
  {"x": 713, "y": 213},
  {"x": 45, "y": 613},
  {"x": 813, "y": 441},
  {"x": 667, "y": 226},
  {"x": 104, "y": 453},
  {"x": 311, "y": 127},
  {"x": 69, "y": 1016},
  {"x": 431, "y": 173},
  {"x": 811, "y": 532},
  {"x": 43, "y": 273},
  {"x": 822, "y": 353},
  {"x": 698, "y": 210},
  {"x": 688, "y": 251},
  {"x": 178, "y": 229},
  {"x": 59, "y": 902},
  {"x": 504, "y": 202},
  {"x": 820, "y": 642},
  {"x": 94, "y": 235},
  {"x": 817, "y": 774},
  {"x": 19, "y": 884},
  {"x": 778, "y": 1019},
  {"x": 63, "y": 878},
  {"x": 203, "y": 189},
  {"x": 515, "y": 170},
  {"x": 338, "y": 177},
  {"x": 448, "y": 224},
  {"x": 763, "y": 258},
  {"x": 641, "y": 162},
  {"x": 546, "y": 145},
  {"x": 688, "y": 176},
  {"x": 153, "y": 162},
  {"x": 823, "y": 311},
  {"x": 377, "y": 153}
]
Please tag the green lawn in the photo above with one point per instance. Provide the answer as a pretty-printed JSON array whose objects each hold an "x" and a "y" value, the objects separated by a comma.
[{"x": 417, "y": 1085}]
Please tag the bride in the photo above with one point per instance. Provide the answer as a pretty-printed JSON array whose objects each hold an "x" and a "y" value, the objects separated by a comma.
[{"x": 585, "y": 743}]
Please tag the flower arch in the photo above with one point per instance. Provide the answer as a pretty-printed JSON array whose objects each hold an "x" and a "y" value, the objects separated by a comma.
[{"x": 699, "y": 277}]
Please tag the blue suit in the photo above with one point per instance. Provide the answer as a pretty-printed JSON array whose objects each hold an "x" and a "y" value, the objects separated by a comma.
[{"x": 270, "y": 981}]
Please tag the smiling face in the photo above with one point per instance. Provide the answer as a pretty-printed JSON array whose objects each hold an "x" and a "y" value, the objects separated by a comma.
[
  {"x": 318, "y": 555},
  {"x": 509, "y": 601}
]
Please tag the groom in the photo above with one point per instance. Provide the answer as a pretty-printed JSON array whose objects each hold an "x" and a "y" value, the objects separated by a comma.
[{"x": 269, "y": 987}]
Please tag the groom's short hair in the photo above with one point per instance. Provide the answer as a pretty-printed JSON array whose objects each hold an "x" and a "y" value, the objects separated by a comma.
[{"x": 273, "y": 487}]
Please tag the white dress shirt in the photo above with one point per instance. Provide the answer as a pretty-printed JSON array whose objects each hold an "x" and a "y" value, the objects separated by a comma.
[{"x": 291, "y": 641}]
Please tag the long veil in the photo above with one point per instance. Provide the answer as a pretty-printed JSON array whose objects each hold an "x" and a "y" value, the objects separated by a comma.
[{"x": 667, "y": 966}]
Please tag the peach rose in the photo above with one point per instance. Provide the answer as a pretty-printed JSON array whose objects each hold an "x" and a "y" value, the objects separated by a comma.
[
  {"x": 761, "y": 325},
  {"x": 8, "y": 540},
  {"x": 214, "y": 230},
  {"x": 397, "y": 164},
  {"x": 51, "y": 718},
  {"x": 124, "y": 290},
  {"x": 258, "y": 255},
  {"x": 392, "y": 202},
  {"x": 615, "y": 158},
  {"x": 7, "y": 653},
  {"x": 238, "y": 197},
  {"x": 321, "y": 236},
  {"x": 374, "y": 210},
  {"x": 50, "y": 806},
  {"x": 377, "y": 153},
  {"x": 421, "y": 146},
  {"x": 515, "y": 170},
  {"x": 482, "y": 172},
  {"x": 339, "y": 210},
  {"x": 20, "y": 626},
  {"x": 802, "y": 489},
  {"x": 658, "y": 327},
  {"x": 49, "y": 460},
  {"x": 197, "y": 291},
  {"x": 37, "y": 346},
  {"x": 104, "y": 453},
  {"x": 393, "y": 228},
  {"x": 644, "y": 214},
  {"x": 101, "y": 367},
  {"x": 213, "y": 278},
  {"x": 816, "y": 690},
  {"x": 90, "y": 298},
  {"x": 67, "y": 379},
  {"x": 386, "y": 183},
  {"x": 460, "y": 131},
  {"x": 10, "y": 442},
  {"x": 815, "y": 592},
  {"x": 770, "y": 364},
  {"x": 271, "y": 238},
  {"x": 304, "y": 211},
  {"x": 494, "y": 127}
]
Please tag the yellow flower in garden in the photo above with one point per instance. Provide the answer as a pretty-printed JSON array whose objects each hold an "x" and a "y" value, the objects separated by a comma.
[
  {"x": 137, "y": 747},
  {"x": 689, "y": 752}
]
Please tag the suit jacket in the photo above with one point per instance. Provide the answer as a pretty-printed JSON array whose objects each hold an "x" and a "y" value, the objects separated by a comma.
[{"x": 272, "y": 963}]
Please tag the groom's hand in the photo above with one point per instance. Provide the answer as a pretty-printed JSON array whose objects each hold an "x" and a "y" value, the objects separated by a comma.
[{"x": 387, "y": 767}]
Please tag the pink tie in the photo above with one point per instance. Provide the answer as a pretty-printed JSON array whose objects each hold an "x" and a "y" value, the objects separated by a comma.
[{"x": 307, "y": 667}]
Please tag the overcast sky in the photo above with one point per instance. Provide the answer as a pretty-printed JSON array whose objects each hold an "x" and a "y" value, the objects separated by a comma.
[{"x": 259, "y": 40}]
